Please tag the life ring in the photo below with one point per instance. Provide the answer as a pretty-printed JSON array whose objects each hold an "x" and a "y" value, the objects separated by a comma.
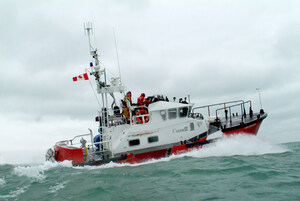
[{"x": 140, "y": 119}]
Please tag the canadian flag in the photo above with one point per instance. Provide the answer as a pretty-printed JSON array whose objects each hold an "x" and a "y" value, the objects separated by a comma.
[{"x": 81, "y": 77}]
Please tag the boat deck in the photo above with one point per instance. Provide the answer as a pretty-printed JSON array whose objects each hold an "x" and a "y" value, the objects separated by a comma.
[{"x": 240, "y": 121}]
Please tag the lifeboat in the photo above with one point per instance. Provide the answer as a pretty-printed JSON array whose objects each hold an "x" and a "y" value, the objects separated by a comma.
[{"x": 166, "y": 128}]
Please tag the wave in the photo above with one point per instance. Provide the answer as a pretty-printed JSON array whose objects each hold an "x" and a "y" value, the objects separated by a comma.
[
  {"x": 37, "y": 172},
  {"x": 245, "y": 145},
  {"x": 57, "y": 187},
  {"x": 15, "y": 193},
  {"x": 2, "y": 182}
]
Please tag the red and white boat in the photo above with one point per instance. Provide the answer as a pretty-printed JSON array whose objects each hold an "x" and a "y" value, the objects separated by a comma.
[{"x": 167, "y": 128}]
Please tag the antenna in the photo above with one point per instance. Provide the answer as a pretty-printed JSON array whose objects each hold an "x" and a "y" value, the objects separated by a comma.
[
  {"x": 117, "y": 55},
  {"x": 88, "y": 30},
  {"x": 258, "y": 89}
]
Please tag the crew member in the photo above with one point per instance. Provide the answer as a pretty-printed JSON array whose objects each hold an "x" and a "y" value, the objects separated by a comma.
[
  {"x": 127, "y": 103},
  {"x": 141, "y": 101}
]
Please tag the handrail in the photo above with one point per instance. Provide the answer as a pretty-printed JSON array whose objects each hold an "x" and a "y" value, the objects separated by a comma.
[
  {"x": 77, "y": 136},
  {"x": 218, "y": 104},
  {"x": 112, "y": 115},
  {"x": 229, "y": 106},
  {"x": 80, "y": 136},
  {"x": 143, "y": 116},
  {"x": 92, "y": 144},
  {"x": 211, "y": 105},
  {"x": 243, "y": 112}
]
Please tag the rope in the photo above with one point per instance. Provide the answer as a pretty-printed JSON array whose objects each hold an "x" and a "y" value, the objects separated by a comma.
[{"x": 94, "y": 91}]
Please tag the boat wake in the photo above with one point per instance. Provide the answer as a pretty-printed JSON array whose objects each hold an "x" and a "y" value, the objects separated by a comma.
[
  {"x": 37, "y": 172},
  {"x": 243, "y": 145}
]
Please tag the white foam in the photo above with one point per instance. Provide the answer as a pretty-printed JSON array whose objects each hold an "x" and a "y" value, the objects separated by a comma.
[
  {"x": 57, "y": 187},
  {"x": 36, "y": 172},
  {"x": 2, "y": 182},
  {"x": 15, "y": 193},
  {"x": 112, "y": 164},
  {"x": 245, "y": 145},
  {"x": 228, "y": 146}
]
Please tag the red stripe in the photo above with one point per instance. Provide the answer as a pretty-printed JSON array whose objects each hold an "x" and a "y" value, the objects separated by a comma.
[
  {"x": 85, "y": 76},
  {"x": 180, "y": 149}
]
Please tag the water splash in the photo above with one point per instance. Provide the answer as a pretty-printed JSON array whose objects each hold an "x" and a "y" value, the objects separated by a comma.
[
  {"x": 245, "y": 145},
  {"x": 57, "y": 187},
  {"x": 113, "y": 165},
  {"x": 15, "y": 193},
  {"x": 2, "y": 182},
  {"x": 37, "y": 172}
]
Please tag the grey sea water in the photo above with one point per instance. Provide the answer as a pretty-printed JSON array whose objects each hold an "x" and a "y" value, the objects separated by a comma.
[{"x": 234, "y": 168}]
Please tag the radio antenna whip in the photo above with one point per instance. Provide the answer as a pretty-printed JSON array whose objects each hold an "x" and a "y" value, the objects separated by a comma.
[
  {"x": 258, "y": 89},
  {"x": 117, "y": 55}
]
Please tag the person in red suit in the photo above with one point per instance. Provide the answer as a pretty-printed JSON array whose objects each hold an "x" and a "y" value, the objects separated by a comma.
[{"x": 141, "y": 101}]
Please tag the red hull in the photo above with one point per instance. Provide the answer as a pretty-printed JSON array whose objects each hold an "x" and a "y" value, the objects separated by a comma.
[
  {"x": 64, "y": 153},
  {"x": 252, "y": 129}
]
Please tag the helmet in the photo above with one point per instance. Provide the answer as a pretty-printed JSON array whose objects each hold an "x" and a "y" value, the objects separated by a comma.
[
  {"x": 143, "y": 94},
  {"x": 129, "y": 92}
]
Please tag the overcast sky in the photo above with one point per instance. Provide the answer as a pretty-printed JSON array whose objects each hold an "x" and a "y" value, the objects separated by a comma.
[{"x": 212, "y": 50}]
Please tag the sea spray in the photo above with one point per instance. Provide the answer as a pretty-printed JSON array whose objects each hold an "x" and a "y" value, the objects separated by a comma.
[
  {"x": 228, "y": 146},
  {"x": 237, "y": 145},
  {"x": 2, "y": 182},
  {"x": 57, "y": 187},
  {"x": 253, "y": 170},
  {"x": 36, "y": 172}
]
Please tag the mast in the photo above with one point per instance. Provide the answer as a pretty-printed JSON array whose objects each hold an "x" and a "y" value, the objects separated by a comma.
[{"x": 99, "y": 73}]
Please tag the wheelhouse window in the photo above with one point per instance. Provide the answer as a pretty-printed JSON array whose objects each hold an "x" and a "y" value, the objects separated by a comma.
[
  {"x": 183, "y": 112},
  {"x": 134, "y": 142},
  {"x": 153, "y": 139},
  {"x": 172, "y": 113},
  {"x": 163, "y": 114}
]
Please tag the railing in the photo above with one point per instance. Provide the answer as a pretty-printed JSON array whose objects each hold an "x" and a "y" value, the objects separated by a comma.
[
  {"x": 138, "y": 116},
  {"x": 216, "y": 104},
  {"x": 104, "y": 144},
  {"x": 73, "y": 142},
  {"x": 110, "y": 117},
  {"x": 227, "y": 106},
  {"x": 241, "y": 105},
  {"x": 115, "y": 117}
]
